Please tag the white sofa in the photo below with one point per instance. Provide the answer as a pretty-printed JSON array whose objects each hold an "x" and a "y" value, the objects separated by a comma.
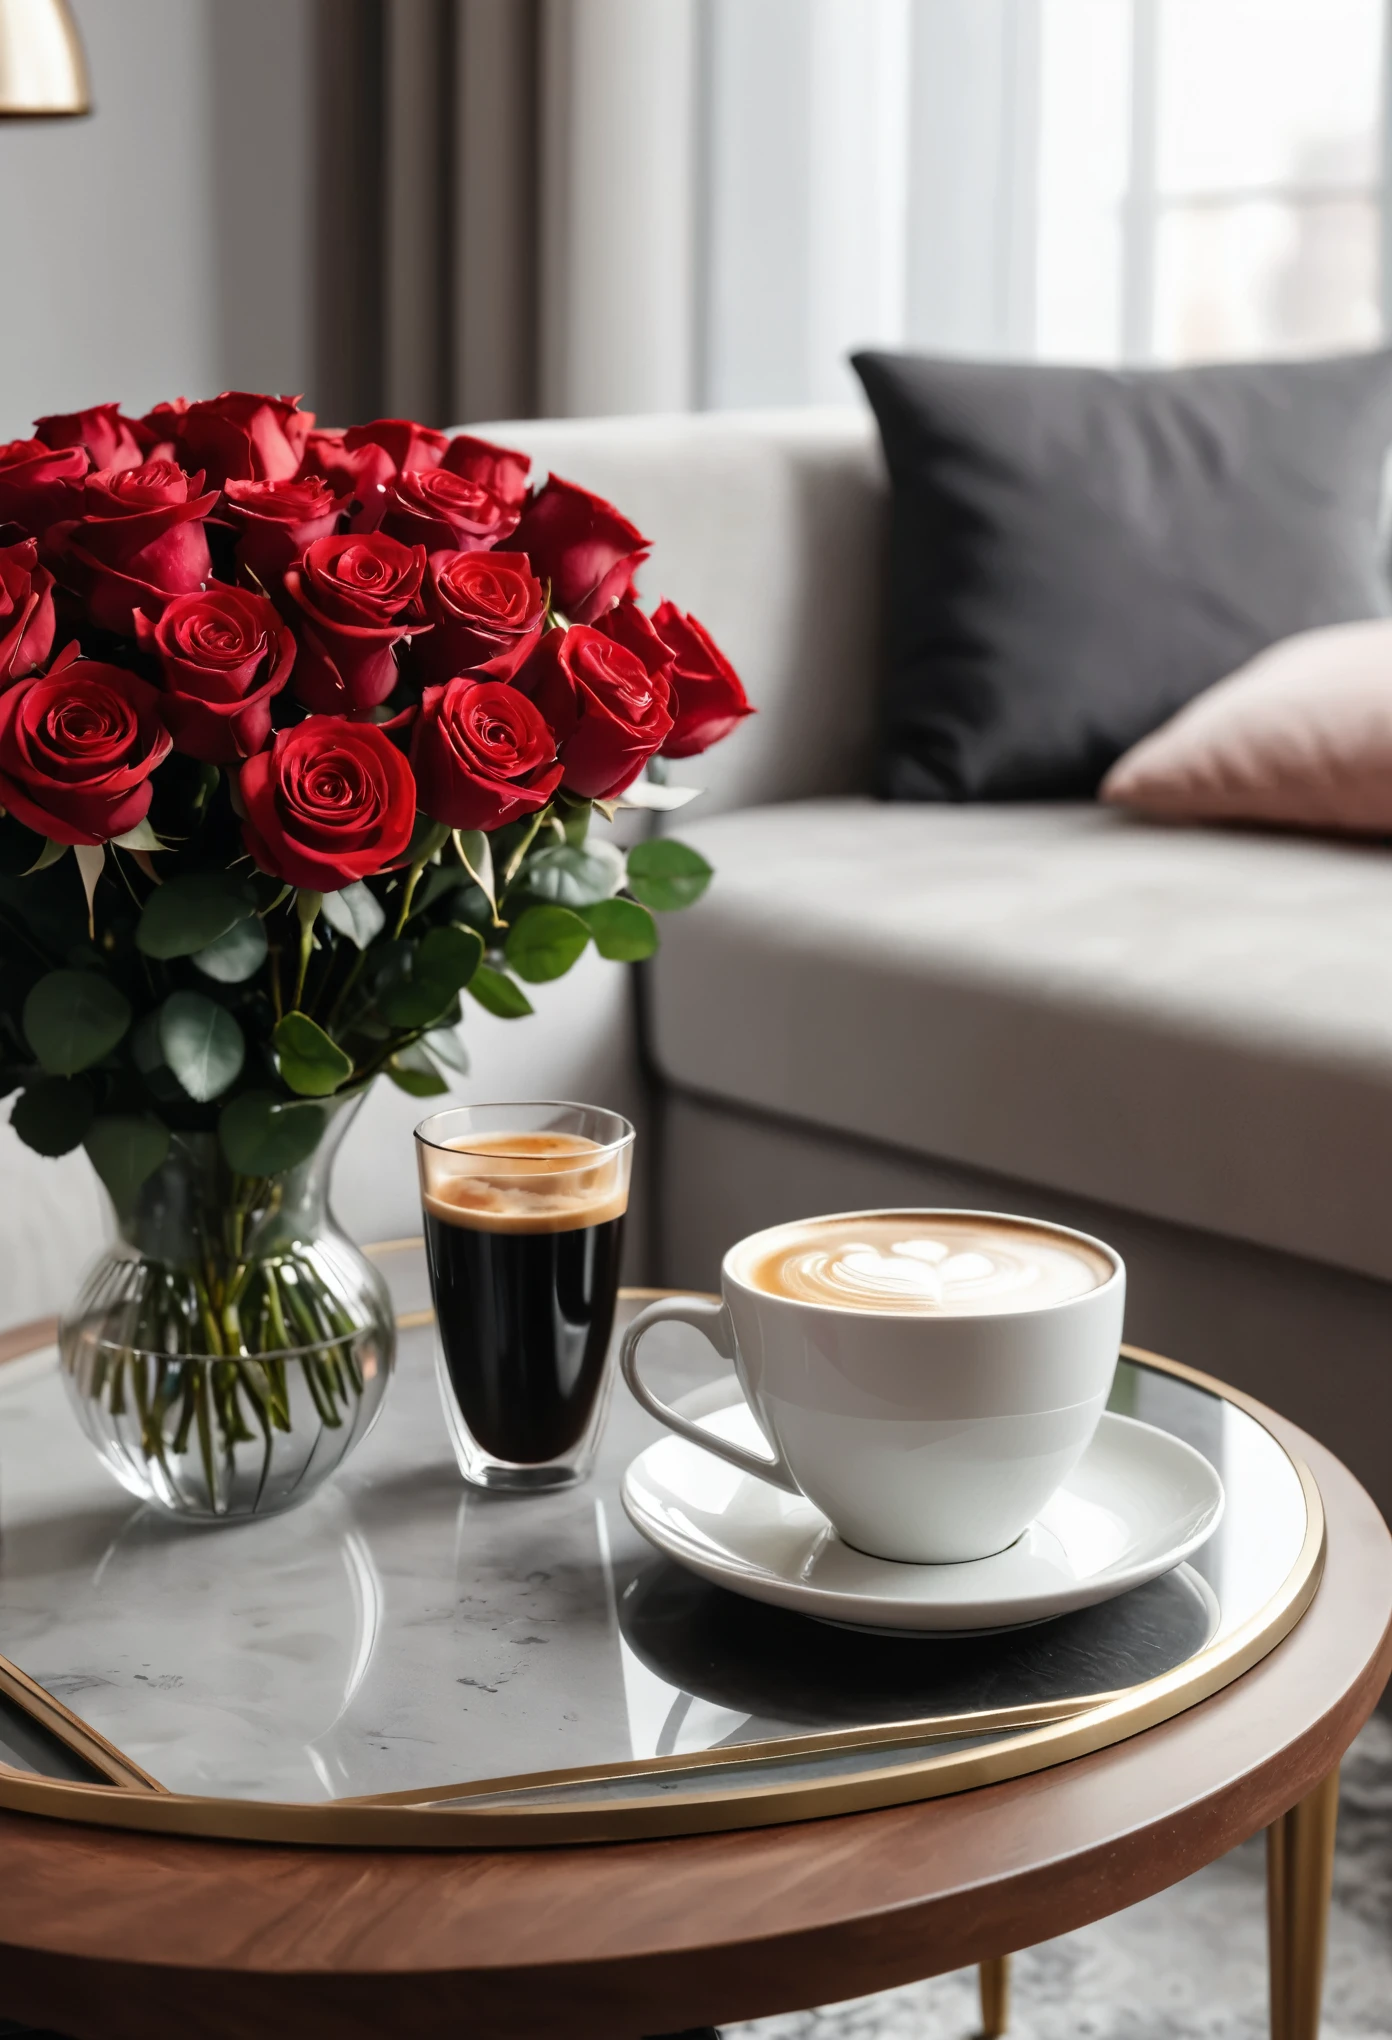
[{"x": 1181, "y": 1039}]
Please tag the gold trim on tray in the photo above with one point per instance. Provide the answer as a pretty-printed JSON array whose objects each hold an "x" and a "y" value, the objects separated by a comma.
[{"x": 528, "y": 1810}]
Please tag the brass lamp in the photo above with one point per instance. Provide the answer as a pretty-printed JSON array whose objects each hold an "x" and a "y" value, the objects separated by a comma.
[{"x": 43, "y": 72}]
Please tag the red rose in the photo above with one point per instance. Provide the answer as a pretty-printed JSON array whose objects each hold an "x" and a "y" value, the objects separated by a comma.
[
  {"x": 277, "y": 520},
  {"x": 106, "y": 437},
  {"x": 482, "y": 754},
  {"x": 243, "y": 437},
  {"x": 487, "y": 609},
  {"x": 140, "y": 541},
  {"x": 501, "y": 471},
  {"x": 360, "y": 472},
  {"x": 707, "y": 697},
  {"x": 582, "y": 546},
  {"x": 608, "y": 713},
  {"x": 406, "y": 444},
  {"x": 349, "y": 594},
  {"x": 39, "y": 485},
  {"x": 331, "y": 801},
  {"x": 158, "y": 431},
  {"x": 224, "y": 654},
  {"x": 445, "y": 512},
  {"x": 77, "y": 747},
  {"x": 26, "y": 610},
  {"x": 628, "y": 626}
]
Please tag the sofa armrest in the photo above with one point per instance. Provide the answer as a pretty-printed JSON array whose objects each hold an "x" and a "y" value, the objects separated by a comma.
[{"x": 769, "y": 525}]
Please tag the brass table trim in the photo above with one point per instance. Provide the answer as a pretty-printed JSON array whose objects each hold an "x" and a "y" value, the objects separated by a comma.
[{"x": 471, "y": 1816}]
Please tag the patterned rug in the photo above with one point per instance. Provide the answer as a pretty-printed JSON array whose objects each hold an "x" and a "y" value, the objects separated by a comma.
[{"x": 1189, "y": 1964}]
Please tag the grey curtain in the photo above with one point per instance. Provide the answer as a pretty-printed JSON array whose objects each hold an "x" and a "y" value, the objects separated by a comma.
[{"x": 427, "y": 224}]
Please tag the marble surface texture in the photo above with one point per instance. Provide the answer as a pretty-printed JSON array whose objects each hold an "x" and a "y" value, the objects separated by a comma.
[{"x": 401, "y": 1631}]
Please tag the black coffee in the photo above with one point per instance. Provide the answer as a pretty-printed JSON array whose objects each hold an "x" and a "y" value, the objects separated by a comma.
[{"x": 524, "y": 1301}]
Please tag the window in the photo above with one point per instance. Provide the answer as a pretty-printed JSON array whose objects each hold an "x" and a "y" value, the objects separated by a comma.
[{"x": 1210, "y": 178}]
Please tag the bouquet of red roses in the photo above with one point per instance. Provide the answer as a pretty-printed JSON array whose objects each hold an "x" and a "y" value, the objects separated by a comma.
[{"x": 302, "y": 738}]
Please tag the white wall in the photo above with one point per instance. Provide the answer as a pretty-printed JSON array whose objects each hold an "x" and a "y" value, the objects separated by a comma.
[{"x": 161, "y": 247}]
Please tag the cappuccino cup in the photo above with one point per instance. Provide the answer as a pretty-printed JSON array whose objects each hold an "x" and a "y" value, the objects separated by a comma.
[{"x": 927, "y": 1379}]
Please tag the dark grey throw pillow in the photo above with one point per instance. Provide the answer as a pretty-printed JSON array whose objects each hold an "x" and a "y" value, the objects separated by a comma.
[{"x": 1075, "y": 553}]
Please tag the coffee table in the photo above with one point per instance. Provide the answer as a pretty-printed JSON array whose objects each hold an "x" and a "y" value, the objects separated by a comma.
[{"x": 106, "y": 1932}]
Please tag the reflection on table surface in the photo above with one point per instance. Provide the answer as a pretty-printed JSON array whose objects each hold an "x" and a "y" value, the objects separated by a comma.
[{"x": 400, "y": 1631}]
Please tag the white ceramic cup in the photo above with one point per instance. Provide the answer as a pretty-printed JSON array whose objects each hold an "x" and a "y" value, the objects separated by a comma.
[{"x": 926, "y": 1438}]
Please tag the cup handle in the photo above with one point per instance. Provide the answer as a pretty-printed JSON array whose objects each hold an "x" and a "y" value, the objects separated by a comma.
[{"x": 713, "y": 1321}]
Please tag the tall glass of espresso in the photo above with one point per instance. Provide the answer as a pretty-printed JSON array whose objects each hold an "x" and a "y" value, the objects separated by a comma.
[{"x": 524, "y": 1211}]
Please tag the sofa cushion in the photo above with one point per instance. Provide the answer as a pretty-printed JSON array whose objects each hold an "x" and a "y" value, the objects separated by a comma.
[
  {"x": 1076, "y": 552},
  {"x": 1300, "y": 737},
  {"x": 1191, "y": 1023}
]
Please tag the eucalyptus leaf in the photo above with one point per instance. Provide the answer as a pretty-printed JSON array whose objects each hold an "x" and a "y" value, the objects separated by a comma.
[
  {"x": 412, "y": 1071},
  {"x": 447, "y": 1048},
  {"x": 572, "y": 876},
  {"x": 125, "y": 1149},
  {"x": 72, "y": 1018},
  {"x": 261, "y": 1136},
  {"x": 147, "y": 1054},
  {"x": 202, "y": 1044},
  {"x": 355, "y": 913},
  {"x": 52, "y": 1115},
  {"x": 498, "y": 994},
  {"x": 623, "y": 931},
  {"x": 189, "y": 912},
  {"x": 545, "y": 943},
  {"x": 235, "y": 956},
  {"x": 311, "y": 1061},
  {"x": 667, "y": 875},
  {"x": 426, "y": 975}
]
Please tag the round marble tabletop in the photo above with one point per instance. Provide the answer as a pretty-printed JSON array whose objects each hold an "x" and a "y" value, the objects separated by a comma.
[{"x": 404, "y": 1650}]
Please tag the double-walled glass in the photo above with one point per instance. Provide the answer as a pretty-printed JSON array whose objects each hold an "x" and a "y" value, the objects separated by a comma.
[{"x": 524, "y": 1211}]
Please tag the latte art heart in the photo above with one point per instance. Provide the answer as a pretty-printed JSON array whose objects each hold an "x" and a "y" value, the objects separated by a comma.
[{"x": 952, "y": 1268}]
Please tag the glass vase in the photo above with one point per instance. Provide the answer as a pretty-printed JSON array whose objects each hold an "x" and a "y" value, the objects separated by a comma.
[{"x": 232, "y": 1346}]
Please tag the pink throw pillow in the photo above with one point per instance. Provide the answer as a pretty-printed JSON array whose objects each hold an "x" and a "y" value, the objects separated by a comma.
[{"x": 1301, "y": 736}]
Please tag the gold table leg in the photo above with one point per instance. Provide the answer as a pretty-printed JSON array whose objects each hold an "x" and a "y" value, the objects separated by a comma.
[
  {"x": 1299, "y": 1876},
  {"x": 994, "y": 1978}
]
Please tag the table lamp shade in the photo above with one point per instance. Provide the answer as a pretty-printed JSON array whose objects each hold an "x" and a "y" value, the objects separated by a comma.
[{"x": 43, "y": 71}]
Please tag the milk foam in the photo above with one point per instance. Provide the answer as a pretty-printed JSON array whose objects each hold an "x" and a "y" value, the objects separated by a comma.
[{"x": 927, "y": 1263}]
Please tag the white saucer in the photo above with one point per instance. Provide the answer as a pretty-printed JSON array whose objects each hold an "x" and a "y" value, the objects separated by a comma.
[{"x": 1137, "y": 1503}]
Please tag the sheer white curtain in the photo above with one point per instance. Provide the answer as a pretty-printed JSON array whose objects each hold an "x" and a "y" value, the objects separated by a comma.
[{"x": 736, "y": 192}]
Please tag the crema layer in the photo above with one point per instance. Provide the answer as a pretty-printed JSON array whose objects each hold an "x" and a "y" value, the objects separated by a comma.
[{"x": 526, "y": 1183}]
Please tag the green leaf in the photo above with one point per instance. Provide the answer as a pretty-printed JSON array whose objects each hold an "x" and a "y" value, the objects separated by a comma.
[
  {"x": 623, "y": 931},
  {"x": 575, "y": 877},
  {"x": 545, "y": 943},
  {"x": 426, "y": 975},
  {"x": 141, "y": 837},
  {"x": 235, "y": 956},
  {"x": 260, "y": 1136},
  {"x": 446, "y": 1047},
  {"x": 124, "y": 1149},
  {"x": 202, "y": 1044},
  {"x": 311, "y": 1061},
  {"x": 72, "y": 1018},
  {"x": 666, "y": 875},
  {"x": 411, "y": 1070},
  {"x": 188, "y": 913},
  {"x": 355, "y": 912},
  {"x": 497, "y": 994},
  {"x": 50, "y": 854},
  {"x": 53, "y": 1115},
  {"x": 476, "y": 855},
  {"x": 426, "y": 838}
]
